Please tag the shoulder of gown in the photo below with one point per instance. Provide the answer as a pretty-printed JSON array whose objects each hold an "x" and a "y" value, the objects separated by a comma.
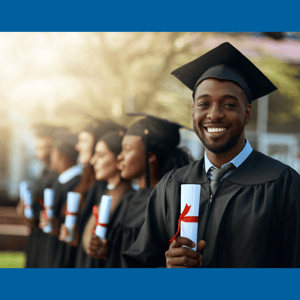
[{"x": 258, "y": 168}]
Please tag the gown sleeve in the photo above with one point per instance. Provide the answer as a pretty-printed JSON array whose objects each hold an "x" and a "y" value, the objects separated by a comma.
[
  {"x": 288, "y": 207},
  {"x": 153, "y": 239}
]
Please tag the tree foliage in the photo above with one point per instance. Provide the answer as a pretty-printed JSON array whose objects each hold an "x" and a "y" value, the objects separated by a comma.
[{"x": 69, "y": 78}]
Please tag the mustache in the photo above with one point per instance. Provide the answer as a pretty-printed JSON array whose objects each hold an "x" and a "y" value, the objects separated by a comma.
[{"x": 214, "y": 124}]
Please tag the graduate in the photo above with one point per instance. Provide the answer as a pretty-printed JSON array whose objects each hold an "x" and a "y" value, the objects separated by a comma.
[
  {"x": 149, "y": 150},
  {"x": 249, "y": 214},
  {"x": 64, "y": 161},
  {"x": 104, "y": 162},
  {"x": 44, "y": 135},
  {"x": 88, "y": 187}
]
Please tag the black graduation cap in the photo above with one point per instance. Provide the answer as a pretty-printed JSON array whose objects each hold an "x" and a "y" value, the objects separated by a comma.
[
  {"x": 159, "y": 135},
  {"x": 113, "y": 139},
  {"x": 99, "y": 127},
  {"x": 227, "y": 63}
]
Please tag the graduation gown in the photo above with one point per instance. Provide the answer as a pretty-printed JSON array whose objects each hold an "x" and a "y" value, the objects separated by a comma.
[
  {"x": 46, "y": 180},
  {"x": 252, "y": 221},
  {"x": 51, "y": 243},
  {"x": 93, "y": 198},
  {"x": 125, "y": 225},
  {"x": 68, "y": 256},
  {"x": 82, "y": 259}
]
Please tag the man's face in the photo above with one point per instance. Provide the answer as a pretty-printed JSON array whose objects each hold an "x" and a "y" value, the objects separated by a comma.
[
  {"x": 43, "y": 147},
  {"x": 104, "y": 162},
  {"x": 132, "y": 158},
  {"x": 220, "y": 113},
  {"x": 84, "y": 147}
]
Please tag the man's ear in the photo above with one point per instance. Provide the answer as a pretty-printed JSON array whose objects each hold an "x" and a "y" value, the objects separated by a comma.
[
  {"x": 248, "y": 114},
  {"x": 152, "y": 157}
]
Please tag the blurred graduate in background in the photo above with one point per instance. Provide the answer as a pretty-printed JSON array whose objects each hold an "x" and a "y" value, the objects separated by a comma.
[
  {"x": 104, "y": 162},
  {"x": 64, "y": 160},
  {"x": 149, "y": 150},
  {"x": 89, "y": 188},
  {"x": 44, "y": 136}
]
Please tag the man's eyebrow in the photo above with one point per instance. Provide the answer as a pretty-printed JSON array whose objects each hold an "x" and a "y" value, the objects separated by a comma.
[
  {"x": 231, "y": 97},
  {"x": 202, "y": 96},
  {"x": 224, "y": 96}
]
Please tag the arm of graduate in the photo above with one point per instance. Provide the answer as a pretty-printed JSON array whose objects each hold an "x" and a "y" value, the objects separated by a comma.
[
  {"x": 161, "y": 222},
  {"x": 288, "y": 208}
]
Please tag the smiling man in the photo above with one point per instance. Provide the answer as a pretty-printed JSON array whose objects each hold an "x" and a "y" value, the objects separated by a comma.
[{"x": 249, "y": 214}]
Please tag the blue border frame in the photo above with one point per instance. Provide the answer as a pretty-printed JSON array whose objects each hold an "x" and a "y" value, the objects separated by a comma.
[
  {"x": 152, "y": 15},
  {"x": 153, "y": 283}
]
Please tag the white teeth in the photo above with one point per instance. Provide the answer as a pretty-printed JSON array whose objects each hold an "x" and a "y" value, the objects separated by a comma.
[{"x": 215, "y": 129}]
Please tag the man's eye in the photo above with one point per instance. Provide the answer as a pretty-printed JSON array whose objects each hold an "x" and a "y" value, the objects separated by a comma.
[
  {"x": 202, "y": 104},
  {"x": 230, "y": 105}
]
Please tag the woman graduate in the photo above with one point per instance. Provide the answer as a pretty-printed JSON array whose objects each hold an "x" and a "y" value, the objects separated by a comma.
[
  {"x": 149, "y": 150},
  {"x": 64, "y": 161},
  {"x": 88, "y": 187},
  {"x": 105, "y": 165},
  {"x": 44, "y": 135}
]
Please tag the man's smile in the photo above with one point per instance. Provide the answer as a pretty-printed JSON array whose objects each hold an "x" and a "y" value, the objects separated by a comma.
[{"x": 215, "y": 130}]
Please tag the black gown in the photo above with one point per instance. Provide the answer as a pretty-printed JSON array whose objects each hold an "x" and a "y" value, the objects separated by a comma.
[
  {"x": 51, "y": 243},
  {"x": 94, "y": 198},
  {"x": 46, "y": 180},
  {"x": 66, "y": 255},
  {"x": 125, "y": 225},
  {"x": 253, "y": 220}
]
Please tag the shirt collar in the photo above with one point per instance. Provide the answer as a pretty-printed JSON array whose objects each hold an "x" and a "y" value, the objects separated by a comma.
[
  {"x": 69, "y": 174},
  {"x": 237, "y": 161}
]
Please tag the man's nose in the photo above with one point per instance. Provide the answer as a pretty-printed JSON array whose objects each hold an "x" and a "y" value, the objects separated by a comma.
[{"x": 215, "y": 113}]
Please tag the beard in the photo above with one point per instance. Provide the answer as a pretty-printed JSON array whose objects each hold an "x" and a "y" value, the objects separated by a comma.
[{"x": 223, "y": 148}]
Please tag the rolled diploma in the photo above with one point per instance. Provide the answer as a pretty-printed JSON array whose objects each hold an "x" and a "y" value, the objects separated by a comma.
[
  {"x": 22, "y": 188},
  {"x": 48, "y": 202},
  {"x": 190, "y": 195},
  {"x": 73, "y": 200},
  {"x": 103, "y": 216},
  {"x": 28, "y": 202}
]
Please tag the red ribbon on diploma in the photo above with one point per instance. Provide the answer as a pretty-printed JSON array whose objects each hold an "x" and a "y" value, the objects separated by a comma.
[
  {"x": 183, "y": 218},
  {"x": 71, "y": 213},
  {"x": 43, "y": 208},
  {"x": 95, "y": 213}
]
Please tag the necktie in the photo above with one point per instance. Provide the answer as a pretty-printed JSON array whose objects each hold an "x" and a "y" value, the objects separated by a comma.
[{"x": 217, "y": 175}]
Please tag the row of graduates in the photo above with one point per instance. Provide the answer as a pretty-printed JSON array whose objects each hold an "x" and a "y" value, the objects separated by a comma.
[
  {"x": 104, "y": 159},
  {"x": 249, "y": 212}
]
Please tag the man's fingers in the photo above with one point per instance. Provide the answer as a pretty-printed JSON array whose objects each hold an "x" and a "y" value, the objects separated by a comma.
[
  {"x": 200, "y": 245},
  {"x": 95, "y": 244},
  {"x": 183, "y": 261},
  {"x": 182, "y": 241},
  {"x": 183, "y": 251}
]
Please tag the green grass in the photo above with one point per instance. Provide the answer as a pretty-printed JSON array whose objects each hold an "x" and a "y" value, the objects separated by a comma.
[{"x": 12, "y": 259}]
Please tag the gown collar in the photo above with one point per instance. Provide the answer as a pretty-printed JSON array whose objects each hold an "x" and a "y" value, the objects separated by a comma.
[{"x": 257, "y": 168}]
